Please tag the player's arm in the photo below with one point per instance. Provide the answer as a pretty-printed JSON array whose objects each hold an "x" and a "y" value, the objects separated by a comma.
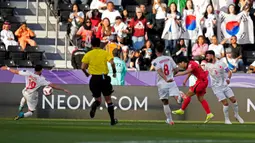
[
  {"x": 113, "y": 67},
  {"x": 14, "y": 71},
  {"x": 186, "y": 79},
  {"x": 54, "y": 86},
  {"x": 160, "y": 72},
  {"x": 228, "y": 75},
  {"x": 188, "y": 71}
]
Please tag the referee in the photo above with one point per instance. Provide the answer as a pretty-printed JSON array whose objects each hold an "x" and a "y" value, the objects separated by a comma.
[{"x": 96, "y": 63}]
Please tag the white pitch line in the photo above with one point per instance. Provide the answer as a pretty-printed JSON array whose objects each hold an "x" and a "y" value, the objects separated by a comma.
[{"x": 181, "y": 141}]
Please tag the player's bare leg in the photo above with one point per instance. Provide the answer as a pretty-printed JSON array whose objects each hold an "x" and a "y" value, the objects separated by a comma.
[
  {"x": 225, "y": 111},
  {"x": 110, "y": 105},
  {"x": 206, "y": 108},
  {"x": 185, "y": 103},
  {"x": 167, "y": 111},
  {"x": 237, "y": 116},
  {"x": 94, "y": 106},
  {"x": 22, "y": 104}
]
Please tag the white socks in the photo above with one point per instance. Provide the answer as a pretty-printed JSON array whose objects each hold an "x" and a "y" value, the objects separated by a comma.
[
  {"x": 225, "y": 111},
  {"x": 22, "y": 102},
  {"x": 28, "y": 114},
  {"x": 167, "y": 111},
  {"x": 236, "y": 109}
]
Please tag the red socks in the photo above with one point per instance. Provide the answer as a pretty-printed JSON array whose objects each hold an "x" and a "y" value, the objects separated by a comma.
[
  {"x": 186, "y": 103},
  {"x": 206, "y": 106}
]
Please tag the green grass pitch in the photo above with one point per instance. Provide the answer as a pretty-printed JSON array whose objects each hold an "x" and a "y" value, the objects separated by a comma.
[{"x": 91, "y": 131}]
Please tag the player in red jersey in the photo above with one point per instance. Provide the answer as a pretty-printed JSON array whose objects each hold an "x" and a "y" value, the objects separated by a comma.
[{"x": 199, "y": 89}]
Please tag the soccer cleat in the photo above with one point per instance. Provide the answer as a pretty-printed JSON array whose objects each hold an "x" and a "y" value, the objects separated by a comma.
[
  {"x": 209, "y": 117},
  {"x": 170, "y": 122},
  {"x": 21, "y": 115},
  {"x": 228, "y": 122},
  {"x": 178, "y": 112},
  {"x": 239, "y": 119},
  {"x": 93, "y": 110},
  {"x": 114, "y": 122}
]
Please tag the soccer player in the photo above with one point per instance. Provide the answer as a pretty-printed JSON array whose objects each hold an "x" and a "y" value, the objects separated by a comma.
[
  {"x": 120, "y": 68},
  {"x": 166, "y": 68},
  {"x": 30, "y": 93},
  {"x": 96, "y": 63},
  {"x": 220, "y": 78},
  {"x": 199, "y": 89}
]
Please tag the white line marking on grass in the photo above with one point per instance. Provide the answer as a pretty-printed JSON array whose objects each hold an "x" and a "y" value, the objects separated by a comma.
[{"x": 181, "y": 141}]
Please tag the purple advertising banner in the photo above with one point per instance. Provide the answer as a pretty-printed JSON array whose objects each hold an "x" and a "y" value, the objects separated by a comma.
[{"x": 145, "y": 78}]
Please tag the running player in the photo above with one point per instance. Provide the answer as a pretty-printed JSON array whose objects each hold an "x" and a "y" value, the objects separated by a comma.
[
  {"x": 30, "y": 93},
  {"x": 166, "y": 68},
  {"x": 199, "y": 89},
  {"x": 220, "y": 78}
]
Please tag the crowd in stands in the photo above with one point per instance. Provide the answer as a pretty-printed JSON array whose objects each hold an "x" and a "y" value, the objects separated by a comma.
[{"x": 138, "y": 33}]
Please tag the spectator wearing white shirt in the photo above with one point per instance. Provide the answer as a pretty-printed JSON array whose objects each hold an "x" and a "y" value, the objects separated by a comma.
[
  {"x": 217, "y": 48},
  {"x": 7, "y": 36},
  {"x": 159, "y": 9},
  {"x": 76, "y": 18},
  {"x": 101, "y": 5},
  {"x": 110, "y": 13},
  {"x": 120, "y": 29}
]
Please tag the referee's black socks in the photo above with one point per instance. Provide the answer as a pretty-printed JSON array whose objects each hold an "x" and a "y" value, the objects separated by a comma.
[
  {"x": 111, "y": 111},
  {"x": 95, "y": 104}
]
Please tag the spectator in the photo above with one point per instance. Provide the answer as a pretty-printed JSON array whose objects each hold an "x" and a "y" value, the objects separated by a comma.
[
  {"x": 251, "y": 68},
  {"x": 138, "y": 25},
  {"x": 180, "y": 4},
  {"x": 147, "y": 53},
  {"x": 125, "y": 17},
  {"x": 230, "y": 61},
  {"x": 95, "y": 20},
  {"x": 209, "y": 22},
  {"x": 112, "y": 44},
  {"x": 217, "y": 48},
  {"x": 86, "y": 34},
  {"x": 120, "y": 29},
  {"x": 200, "y": 5},
  {"x": 159, "y": 9},
  {"x": 100, "y": 5},
  {"x": 180, "y": 50},
  {"x": 120, "y": 67},
  {"x": 134, "y": 56},
  {"x": 172, "y": 31},
  {"x": 24, "y": 35},
  {"x": 236, "y": 51},
  {"x": 110, "y": 13},
  {"x": 151, "y": 22},
  {"x": 76, "y": 18},
  {"x": 76, "y": 58},
  {"x": 7, "y": 36},
  {"x": 104, "y": 32},
  {"x": 199, "y": 49}
]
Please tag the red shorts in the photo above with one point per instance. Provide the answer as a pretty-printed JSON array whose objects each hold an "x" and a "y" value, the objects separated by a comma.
[{"x": 199, "y": 88}]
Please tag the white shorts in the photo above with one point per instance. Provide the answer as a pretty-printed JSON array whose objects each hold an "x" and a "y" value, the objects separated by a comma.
[
  {"x": 31, "y": 100},
  {"x": 166, "y": 92},
  {"x": 224, "y": 93}
]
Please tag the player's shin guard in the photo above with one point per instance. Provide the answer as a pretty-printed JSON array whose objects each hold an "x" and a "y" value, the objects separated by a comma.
[
  {"x": 206, "y": 106},
  {"x": 167, "y": 111},
  {"x": 186, "y": 103},
  {"x": 236, "y": 109},
  {"x": 111, "y": 111},
  {"x": 22, "y": 103},
  {"x": 225, "y": 111}
]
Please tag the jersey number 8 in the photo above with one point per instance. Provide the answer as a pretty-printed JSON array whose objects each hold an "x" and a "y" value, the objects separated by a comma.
[{"x": 166, "y": 70}]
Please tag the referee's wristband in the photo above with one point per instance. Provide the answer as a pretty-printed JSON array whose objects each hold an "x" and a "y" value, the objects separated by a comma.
[{"x": 114, "y": 70}]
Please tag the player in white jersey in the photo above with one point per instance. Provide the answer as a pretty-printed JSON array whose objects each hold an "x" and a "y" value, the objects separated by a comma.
[
  {"x": 166, "y": 68},
  {"x": 220, "y": 78},
  {"x": 30, "y": 93}
]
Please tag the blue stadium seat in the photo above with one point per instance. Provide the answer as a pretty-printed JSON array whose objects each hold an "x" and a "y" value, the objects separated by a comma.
[
  {"x": 24, "y": 63},
  {"x": 10, "y": 63}
]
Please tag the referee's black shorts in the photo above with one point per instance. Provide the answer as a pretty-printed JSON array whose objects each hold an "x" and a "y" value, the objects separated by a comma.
[{"x": 100, "y": 84}]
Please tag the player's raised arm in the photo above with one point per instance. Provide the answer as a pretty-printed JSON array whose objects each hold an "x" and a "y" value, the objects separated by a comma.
[
  {"x": 14, "y": 71},
  {"x": 183, "y": 63},
  {"x": 59, "y": 88}
]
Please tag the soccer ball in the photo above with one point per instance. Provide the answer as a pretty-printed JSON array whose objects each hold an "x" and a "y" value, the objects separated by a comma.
[
  {"x": 183, "y": 95},
  {"x": 47, "y": 90}
]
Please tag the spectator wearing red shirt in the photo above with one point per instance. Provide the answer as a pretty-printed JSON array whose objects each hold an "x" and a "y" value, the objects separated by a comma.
[
  {"x": 95, "y": 20},
  {"x": 104, "y": 32},
  {"x": 138, "y": 26}
]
